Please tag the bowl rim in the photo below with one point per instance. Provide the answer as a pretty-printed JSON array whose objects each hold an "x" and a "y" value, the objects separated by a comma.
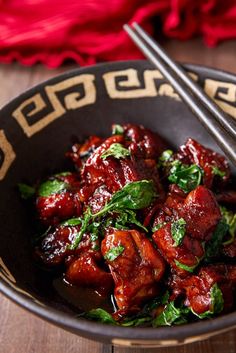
[{"x": 93, "y": 330}]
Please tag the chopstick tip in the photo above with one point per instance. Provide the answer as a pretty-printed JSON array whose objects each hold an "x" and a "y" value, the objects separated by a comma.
[{"x": 126, "y": 26}]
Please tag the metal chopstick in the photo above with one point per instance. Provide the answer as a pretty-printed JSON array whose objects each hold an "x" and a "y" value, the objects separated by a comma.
[
  {"x": 220, "y": 134},
  {"x": 196, "y": 89}
]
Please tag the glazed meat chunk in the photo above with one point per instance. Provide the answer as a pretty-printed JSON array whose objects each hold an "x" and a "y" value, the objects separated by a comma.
[
  {"x": 54, "y": 248},
  {"x": 183, "y": 224},
  {"x": 80, "y": 152},
  {"x": 86, "y": 271},
  {"x": 201, "y": 291},
  {"x": 144, "y": 142},
  {"x": 58, "y": 199},
  {"x": 117, "y": 162},
  {"x": 214, "y": 165},
  {"x": 136, "y": 267}
]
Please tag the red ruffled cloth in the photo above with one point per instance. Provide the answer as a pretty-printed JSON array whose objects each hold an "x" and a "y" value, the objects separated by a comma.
[{"x": 90, "y": 31}]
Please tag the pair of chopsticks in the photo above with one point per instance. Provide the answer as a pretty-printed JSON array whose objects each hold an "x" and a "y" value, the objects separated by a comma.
[{"x": 209, "y": 114}]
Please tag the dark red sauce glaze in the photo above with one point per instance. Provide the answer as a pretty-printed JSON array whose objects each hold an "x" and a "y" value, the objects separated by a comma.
[{"x": 126, "y": 261}]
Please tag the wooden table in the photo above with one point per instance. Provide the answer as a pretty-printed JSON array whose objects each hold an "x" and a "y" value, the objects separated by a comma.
[{"x": 22, "y": 332}]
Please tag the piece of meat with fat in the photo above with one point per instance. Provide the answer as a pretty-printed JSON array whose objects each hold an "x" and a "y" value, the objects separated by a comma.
[
  {"x": 144, "y": 142},
  {"x": 201, "y": 213},
  {"x": 196, "y": 289},
  {"x": 113, "y": 173},
  {"x": 54, "y": 248},
  {"x": 80, "y": 152},
  {"x": 192, "y": 152},
  {"x": 137, "y": 271},
  {"x": 86, "y": 271},
  {"x": 62, "y": 205}
]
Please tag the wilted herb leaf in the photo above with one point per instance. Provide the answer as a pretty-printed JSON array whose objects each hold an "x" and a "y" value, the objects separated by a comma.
[
  {"x": 72, "y": 222},
  {"x": 50, "y": 187},
  {"x": 113, "y": 253},
  {"x": 26, "y": 191},
  {"x": 217, "y": 171},
  {"x": 186, "y": 267},
  {"x": 171, "y": 315},
  {"x": 215, "y": 243},
  {"x": 165, "y": 157},
  {"x": 132, "y": 196},
  {"x": 117, "y": 151},
  {"x": 117, "y": 129},
  {"x": 186, "y": 177},
  {"x": 178, "y": 229},
  {"x": 230, "y": 219},
  {"x": 158, "y": 226},
  {"x": 217, "y": 303},
  {"x": 100, "y": 315}
]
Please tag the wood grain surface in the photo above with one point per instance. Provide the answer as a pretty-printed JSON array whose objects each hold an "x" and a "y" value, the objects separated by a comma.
[{"x": 22, "y": 332}]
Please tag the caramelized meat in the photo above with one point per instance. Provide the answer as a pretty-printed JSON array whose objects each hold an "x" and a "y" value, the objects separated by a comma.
[
  {"x": 230, "y": 249},
  {"x": 114, "y": 173},
  {"x": 58, "y": 207},
  {"x": 211, "y": 162},
  {"x": 54, "y": 249},
  {"x": 137, "y": 270},
  {"x": 187, "y": 254},
  {"x": 197, "y": 289},
  {"x": 64, "y": 204},
  {"x": 80, "y": 153},
  {"x": 85, "y": 271},
  {"x": 144, "y": 143},
  {"x": 201, "y": 213}
]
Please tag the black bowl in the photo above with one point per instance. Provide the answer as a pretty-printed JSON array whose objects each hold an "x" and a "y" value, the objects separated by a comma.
[{"x": 39, "y": 126}]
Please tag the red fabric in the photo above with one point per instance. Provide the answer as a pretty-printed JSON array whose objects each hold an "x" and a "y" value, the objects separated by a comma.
[{"x": 90, "y": 31}]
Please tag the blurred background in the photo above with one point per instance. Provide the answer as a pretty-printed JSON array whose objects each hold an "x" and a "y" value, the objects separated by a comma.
[
  {"x": 41, "y": 38},
  {"x": 90, "y": 31}
]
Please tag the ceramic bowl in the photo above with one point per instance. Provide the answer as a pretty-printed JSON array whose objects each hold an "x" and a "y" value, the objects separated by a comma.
[{"x": 40, "y": 125}]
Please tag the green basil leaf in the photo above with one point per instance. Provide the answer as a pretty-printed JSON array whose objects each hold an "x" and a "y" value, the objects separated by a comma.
[
  {"x": 117, "y": 151},
  {"x": 50, "y": 187},
  {"x": 186, "y": 177},
  {"x": 132, "y": 218},
  {"x": 230, "y": 219},
  {"x": 93, "y": 237},
  {"x": 113, "y": 253},
  {"x": 178, "y": 230},
  {"x": 186, "y": 267},
  {"x": 217, "y": 300},
  {"x": 217, "y": 303},
  {"x": 153, "y": 304},
  {"x": 165, "y": 157},
  {"x": 84, "y": 225},
  {"x": 171, "y": 315},
  {"x": 26, "y": 191},
  {"x": 136, "y": 321},
  {"x": 117, "y": 129},
  {"x": 62, "y": 174},
  {"x": 213, "y": 246},
  {"x": 158, "y": 226},
  {"x": 217, "y": 171},
  {"x": 100, "y": 315},
  {"x": 72, "y": 222},
  {"x": 133, "y": 196}
]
